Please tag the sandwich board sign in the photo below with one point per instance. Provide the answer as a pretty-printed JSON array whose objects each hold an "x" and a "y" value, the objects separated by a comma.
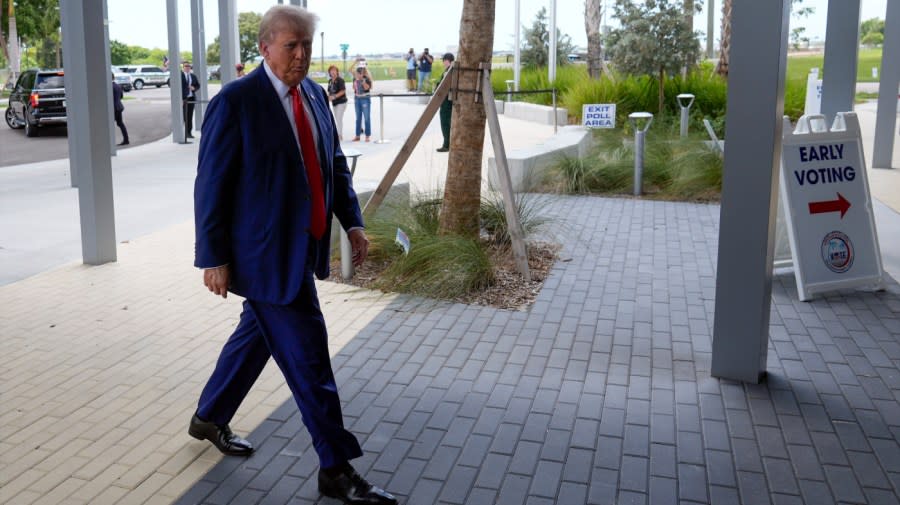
[
  {"x": 825, "y": 191},
  {"x": 598, "y": 115}
]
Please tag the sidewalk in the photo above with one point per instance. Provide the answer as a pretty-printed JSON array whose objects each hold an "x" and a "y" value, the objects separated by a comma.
[{"x": 599, "y": 393}]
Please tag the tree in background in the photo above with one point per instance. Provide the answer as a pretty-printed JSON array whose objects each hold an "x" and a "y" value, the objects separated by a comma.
[
  {"x": 798, "y": 38},
  {"x": 871, "y": 32},
  {"x": 248, "y": 36},
  {"x": 725, "y": 41},
  {"x": 652, "y": 39},
  {"x": 37, "y": 25},
  {"x": 593, "y": 15},
  {"x": 462, "y": 188},
  {"x": 119, "y": 54},
  {"x": 537, "y": 43}
]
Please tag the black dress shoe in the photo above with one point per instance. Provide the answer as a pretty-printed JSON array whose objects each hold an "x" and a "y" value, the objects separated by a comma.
[
  {"x": 220, "y": 436},
  {"x": 443, "y": 149},
  {"x": 124, "y": 143},
  {"x": 189, "y": 136},
  {"x": 350, "y": 487}
]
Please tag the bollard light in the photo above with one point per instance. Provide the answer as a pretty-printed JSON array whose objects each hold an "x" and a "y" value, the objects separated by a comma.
[
  {"x": 685, "y": 100},
  {"x": 510, "y": 84},
  {"x": 640, "y": 121}
]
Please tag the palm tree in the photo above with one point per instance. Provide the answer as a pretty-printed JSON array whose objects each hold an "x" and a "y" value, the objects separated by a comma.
[
  {"x": 462, "y": 189},
  {"x": 725, "y": 44},
  {"x": 593, "y": 16}
]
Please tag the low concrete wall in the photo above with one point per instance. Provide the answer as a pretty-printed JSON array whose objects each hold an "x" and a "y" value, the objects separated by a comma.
[
  {"x": 542, "y": 114},
  {"x": 528, "y": 165}
]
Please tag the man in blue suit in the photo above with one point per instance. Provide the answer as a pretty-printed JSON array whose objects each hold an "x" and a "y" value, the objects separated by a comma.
[{"x": 270, "y": 175}]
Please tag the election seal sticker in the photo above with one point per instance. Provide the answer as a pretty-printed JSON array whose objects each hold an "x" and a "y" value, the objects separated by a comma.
[{"x": 837, "y": 252}]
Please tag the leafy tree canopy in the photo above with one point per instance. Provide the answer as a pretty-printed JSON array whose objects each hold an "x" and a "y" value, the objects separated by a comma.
[
  {"x": 871, "y": 26},
  {"x": 652, "y": 38},
  {"x": 536, "y": 50},
  {"x": 248, "y": 35}
]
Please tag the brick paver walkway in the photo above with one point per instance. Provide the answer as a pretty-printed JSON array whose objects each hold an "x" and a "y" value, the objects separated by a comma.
[{"x": 601, "y": 393}]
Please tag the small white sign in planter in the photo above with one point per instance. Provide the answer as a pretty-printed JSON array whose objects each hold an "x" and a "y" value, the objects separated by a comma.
[
  {"x": 825, "y": 191},
  {"x": 813, "y": 103},
  {"x": 598, "y": 115}
]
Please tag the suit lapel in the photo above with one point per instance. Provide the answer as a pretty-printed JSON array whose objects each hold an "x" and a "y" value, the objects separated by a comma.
[{"x": 272, "y": 108}]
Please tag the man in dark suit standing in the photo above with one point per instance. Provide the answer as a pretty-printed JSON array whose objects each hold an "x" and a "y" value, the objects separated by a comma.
[
  {"x": 118, "y": 108},
  {"x": 189, "y": 85},
  {"x": 270, "y": 174}
]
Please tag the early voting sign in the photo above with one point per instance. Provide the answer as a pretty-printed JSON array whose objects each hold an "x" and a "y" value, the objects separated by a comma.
[
  {"x": 825, "y": 191},
  {"x": 598, "y": 115}
]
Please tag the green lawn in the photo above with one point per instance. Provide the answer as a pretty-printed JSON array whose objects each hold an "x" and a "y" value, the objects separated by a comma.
[{"x": 798, "y": 66}]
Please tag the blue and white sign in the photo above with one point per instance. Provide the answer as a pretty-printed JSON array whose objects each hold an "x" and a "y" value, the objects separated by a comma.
[
  {"x": 813, "y": 103},
  {"x": 598, "y": 115},
  {"x": 825, "y": 193}
]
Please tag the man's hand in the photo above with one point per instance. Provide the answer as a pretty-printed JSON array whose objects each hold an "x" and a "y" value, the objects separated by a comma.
[
  {"x": 359, "y": 244},
  {"x": 216, "y": 279}
]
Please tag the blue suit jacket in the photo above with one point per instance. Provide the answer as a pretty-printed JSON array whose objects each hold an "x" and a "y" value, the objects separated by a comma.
[{"x": 251, "y": 195}]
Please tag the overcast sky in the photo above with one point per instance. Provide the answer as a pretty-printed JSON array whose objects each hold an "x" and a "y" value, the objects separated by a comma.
[{"x": 373, "y": 26}]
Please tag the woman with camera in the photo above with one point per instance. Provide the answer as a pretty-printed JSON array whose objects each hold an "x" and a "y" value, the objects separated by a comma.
[{"x": 362, "y": 84}]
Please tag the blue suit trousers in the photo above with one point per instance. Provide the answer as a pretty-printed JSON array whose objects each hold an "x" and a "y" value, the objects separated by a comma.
[{"x": 295, "y": 336}]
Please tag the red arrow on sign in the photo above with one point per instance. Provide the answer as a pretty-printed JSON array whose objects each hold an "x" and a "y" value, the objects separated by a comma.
[{"x": 840, "y": 205}]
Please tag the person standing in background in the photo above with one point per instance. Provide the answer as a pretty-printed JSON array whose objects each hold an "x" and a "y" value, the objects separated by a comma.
[
  {"x": 362, "y": 84},
  {"x": 446, "y": 106},
  {"x": 411, "y": 65},
  {"x": 239, "y": 68},
  {"x": 425, "y": 61},
  {"x": 118, "y": 108},
  {"x": 189, "y": 84},
  {"x": 337, "y": 95}
]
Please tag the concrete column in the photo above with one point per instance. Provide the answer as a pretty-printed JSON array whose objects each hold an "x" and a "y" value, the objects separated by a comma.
[
  {"x": 841, "y": 55},
  {"x": 710, "y": 29},
  {"x": 88, "y": 102},
  {"x": 517, "y": 54},
  {"x": 108, "y": 58},
  {"x": 886, "y": 119},
  {"x": 551, "y": 56},
  {"x": 228, "y": 45},
  {"x": 198, "y": 49},
  {"x": 753, "y": 126},
  {"x": 177, "y": 110}
]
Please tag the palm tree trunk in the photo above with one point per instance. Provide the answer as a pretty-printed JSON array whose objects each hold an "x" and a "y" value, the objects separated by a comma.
[
  {"x": 725, "y": 44},
  {"x": 462, "y": 189},
  {"x": 593, "y": 14}
]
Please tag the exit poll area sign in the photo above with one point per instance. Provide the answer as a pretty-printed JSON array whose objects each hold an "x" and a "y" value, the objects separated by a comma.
[
  {"x": 598, "y": 115},
  {"x": 825, "y": 191}
]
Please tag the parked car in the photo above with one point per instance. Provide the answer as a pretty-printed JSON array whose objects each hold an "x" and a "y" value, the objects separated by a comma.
[
  {"x": 123, "y": 78},
  {"x": 146, "y": 75},
  {"x": 213, "y": 72},
  {"x": 38, "y": 99}
]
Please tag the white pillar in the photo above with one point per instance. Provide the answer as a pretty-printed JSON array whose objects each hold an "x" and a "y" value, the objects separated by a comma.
[
  {"x": 177, "y": 109},
  {"x": 753, "y": 126},
  {"x": 88, "y": 105},
  {"x": 517, "y": 58},
  {"x": 886, "y": 119},
  {"x": 841, "y": 50},
  {"x": 198, "y": 49},
  {"x": 551, "y": 60},
  {"x": 710, "y": 28},
  {"x": 228, "y": 45}
]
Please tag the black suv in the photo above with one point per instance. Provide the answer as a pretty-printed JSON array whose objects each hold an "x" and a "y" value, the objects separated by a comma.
[{"x": 38, "y": 99}]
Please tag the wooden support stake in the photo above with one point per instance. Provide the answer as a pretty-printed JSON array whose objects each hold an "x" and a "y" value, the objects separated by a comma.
[
  {"x": 516, "y": 234},
  {"x": 403, "y": 156}
]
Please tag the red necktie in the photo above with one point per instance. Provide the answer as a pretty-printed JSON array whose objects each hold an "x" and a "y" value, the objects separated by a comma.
[{"x": 313, "y": 172}]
